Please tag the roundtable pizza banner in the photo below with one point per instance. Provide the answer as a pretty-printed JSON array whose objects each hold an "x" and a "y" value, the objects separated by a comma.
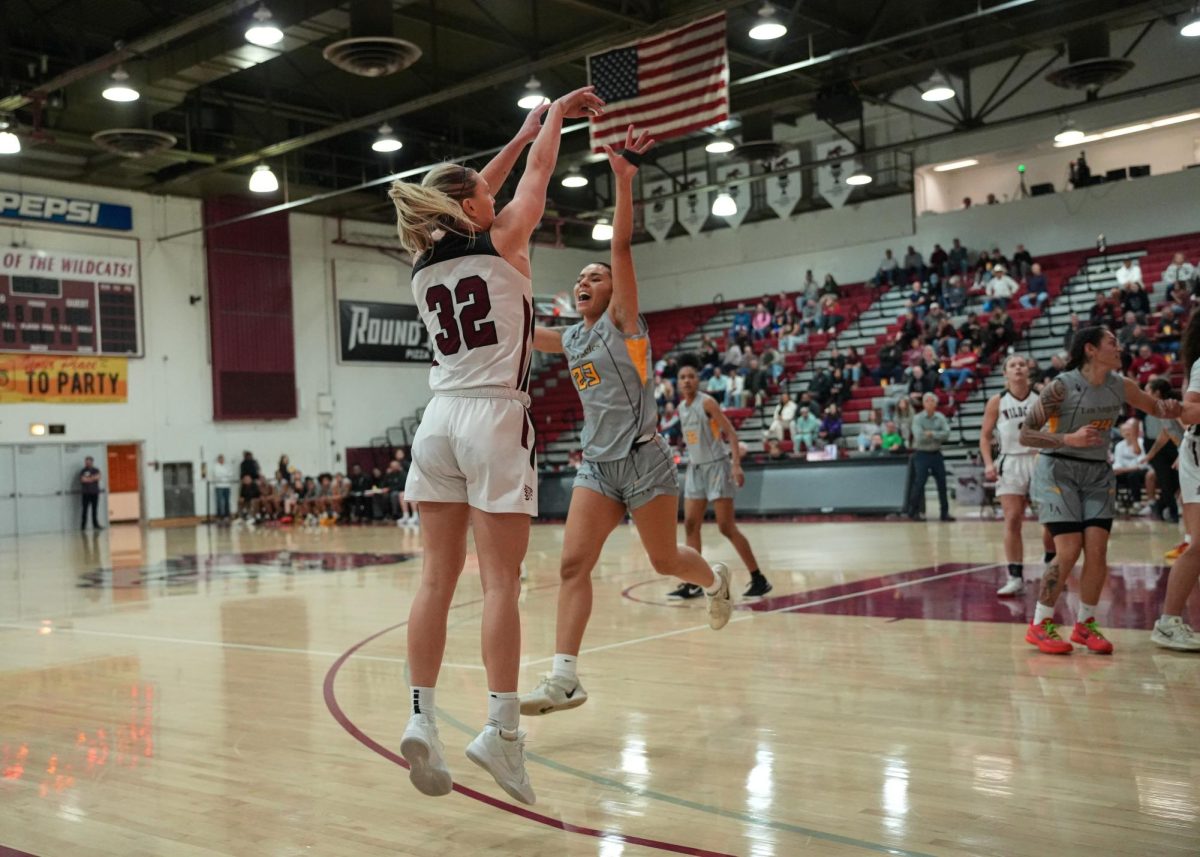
[{"x": 63, "y": 380}]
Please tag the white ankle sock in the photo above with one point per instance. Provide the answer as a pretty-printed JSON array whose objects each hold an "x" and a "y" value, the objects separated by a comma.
[
  {"x": 422, "y": 701},
  {"x": 564, "y": 667},
  {"x": 1166, "y": 617},
  {"x": 1086, "y": 611},
  {"x": 504, "y": 711},
  {"x": 716, "y": 584},
  {"x": 1041, "y": 613}
]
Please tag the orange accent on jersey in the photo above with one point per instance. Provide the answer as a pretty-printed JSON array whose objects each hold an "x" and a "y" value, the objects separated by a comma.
[
  {"x": 716, "y": 429},
  {"x": 639, "y": 353},
  {"x": 1052, "y": 425}
]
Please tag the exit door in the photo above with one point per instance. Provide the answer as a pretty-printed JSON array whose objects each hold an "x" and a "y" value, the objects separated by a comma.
[{"x": 179, "y": 498}]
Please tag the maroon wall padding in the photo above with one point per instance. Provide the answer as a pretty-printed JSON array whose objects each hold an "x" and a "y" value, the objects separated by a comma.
[{"x": 250, "y": 313}]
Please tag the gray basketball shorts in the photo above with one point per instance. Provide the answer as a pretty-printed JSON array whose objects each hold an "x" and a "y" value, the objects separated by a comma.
[
  {"x": 647, "y": 472},
  {"x": 710, "y": 481},
  {"x": 1071, "y": 491}
]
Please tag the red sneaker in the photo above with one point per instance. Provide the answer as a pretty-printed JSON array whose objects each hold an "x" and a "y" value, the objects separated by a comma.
[
  {"x": 1087, "y": 634},
  {"x": 1045, "y": 637}
]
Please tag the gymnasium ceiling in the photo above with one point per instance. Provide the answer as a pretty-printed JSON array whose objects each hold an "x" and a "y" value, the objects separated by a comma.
[{"x": 231, "y": 104}]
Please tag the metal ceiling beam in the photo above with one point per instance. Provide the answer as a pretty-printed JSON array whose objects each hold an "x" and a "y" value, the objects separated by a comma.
[
  {"x": 611, "y": 14},
  {"x": 467, "y": 87}
]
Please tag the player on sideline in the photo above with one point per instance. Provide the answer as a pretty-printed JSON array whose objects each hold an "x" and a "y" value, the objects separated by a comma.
[
  {"x": 472, "y": 457},
  {"x": 626, "y": 464},
  {"x": 1013, "y": 471},
  {"x": 1171, "y": 631},
  {"x": 1074, "y": 482},
  {"x": 712, "y": 475}
]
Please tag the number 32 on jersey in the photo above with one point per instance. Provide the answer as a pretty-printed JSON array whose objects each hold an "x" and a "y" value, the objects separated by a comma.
[{"x": 585, "y": 376}]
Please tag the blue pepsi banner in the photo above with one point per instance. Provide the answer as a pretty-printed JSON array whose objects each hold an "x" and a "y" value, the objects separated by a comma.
[{"x": 43, "y": 208}]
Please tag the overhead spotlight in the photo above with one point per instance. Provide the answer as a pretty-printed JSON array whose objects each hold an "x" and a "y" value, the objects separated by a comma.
[
  {"x": 1069, "y": 134},
  {"x": 574, "y": 178},
  {"x": 937, "y": 88},
  {"x": 533, "y": 97},
  {"x": 768, "y": 26},
  {"x": 719, "y": 146},
  {"x": 1191, "y": 24},
  {"x": 119, "y": 89},
  {"x": 956, "y": 165},
  {"x": 859, "y": 178},
  {"x": 386, "y": 142},
  {"x": 263, "y": 180},
  {"x": 263, "y": 31},
  {"x": 602, "y": 231},
  {"x": 10, "y": 143},
  {"x": 724, "y": 205}
]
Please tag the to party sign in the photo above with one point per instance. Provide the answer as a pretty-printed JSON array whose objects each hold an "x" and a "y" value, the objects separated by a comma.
[{"x": 63, "y": 380}]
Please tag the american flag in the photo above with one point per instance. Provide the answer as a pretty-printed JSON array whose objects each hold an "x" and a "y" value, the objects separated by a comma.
[{"x": 669, "y": 85}]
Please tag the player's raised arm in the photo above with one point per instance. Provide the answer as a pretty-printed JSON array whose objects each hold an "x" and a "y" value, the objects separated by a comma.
[
  {"x": 625, "y": 163},
  {"x": 498, "y": 168}
]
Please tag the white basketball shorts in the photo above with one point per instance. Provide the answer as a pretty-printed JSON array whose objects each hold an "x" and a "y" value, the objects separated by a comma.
[
  {"x": 475, "y": 449},
  {"x": 1014, "y": 474},
  {"x": 1189, "y": 468}
]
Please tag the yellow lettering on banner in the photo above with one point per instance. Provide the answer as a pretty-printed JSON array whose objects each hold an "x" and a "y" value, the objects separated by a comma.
[{"x": 63, "y": 380}]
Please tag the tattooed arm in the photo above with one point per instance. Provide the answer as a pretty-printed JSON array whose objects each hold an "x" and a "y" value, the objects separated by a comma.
[{"x": 1048, "y": 406}]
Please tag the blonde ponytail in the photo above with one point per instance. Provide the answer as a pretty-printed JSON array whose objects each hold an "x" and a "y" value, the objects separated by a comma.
[{"x": 433, "y": 205}]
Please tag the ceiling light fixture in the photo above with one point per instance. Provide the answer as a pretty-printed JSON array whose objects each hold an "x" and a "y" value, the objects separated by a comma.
[
  {"x": 263, "y": 180},
  {"x": 767, "y": 27},
  {"x": 724, "y": 205},
  {"x": 1069, "y": 134},
  {"x": 859, "y": 179},
  {"x": 386, "y": 142},
  {"x": 533, "y": 97},
  {"x": 955, "y": 165},
  {"x": 574, "y": 178},
  {"x": 602, "y": 231},
  {"x": 10, "y": 143},
  {"x": 1191, "y": 25},
  {"x": 263, "y": 31},
  {"x": 119, "y": 89},
  {"x": 1127, "y": 129},
  {"x": 719, "y": 146},
  {"x": 937, "y": 88}
]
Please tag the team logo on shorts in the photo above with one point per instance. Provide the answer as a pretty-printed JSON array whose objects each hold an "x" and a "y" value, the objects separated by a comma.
[{"x": 528, "y": 493}]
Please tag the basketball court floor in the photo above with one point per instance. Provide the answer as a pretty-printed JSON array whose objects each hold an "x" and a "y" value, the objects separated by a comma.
[{"x": 199, "y": 692}]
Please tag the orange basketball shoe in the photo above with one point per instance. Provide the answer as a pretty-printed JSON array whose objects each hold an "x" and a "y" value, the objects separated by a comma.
[
  {"x": 1088, "y": 634},
  {"x": 1045, "y": 637}
]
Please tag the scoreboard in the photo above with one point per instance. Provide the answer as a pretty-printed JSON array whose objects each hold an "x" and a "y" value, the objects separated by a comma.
[{"x": 49, "y": 304}]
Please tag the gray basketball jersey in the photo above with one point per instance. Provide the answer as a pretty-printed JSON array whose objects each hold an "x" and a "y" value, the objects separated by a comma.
[
  {"x": 1099, "y": 406},
  {"x": 700, "y": 433},
  {"x": 611, "y": 371}
]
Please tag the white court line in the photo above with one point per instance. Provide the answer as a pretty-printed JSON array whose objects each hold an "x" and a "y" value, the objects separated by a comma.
[
  {"x": 251, "y": 647},
  {"x": 752, "y": 614}
]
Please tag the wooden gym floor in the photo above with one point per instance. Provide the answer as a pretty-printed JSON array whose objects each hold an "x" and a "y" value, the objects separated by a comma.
[{"x": 199, "y": 692}]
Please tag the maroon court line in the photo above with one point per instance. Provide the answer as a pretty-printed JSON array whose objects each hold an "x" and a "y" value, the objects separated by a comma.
[
  {"x": 782, "y": 603},
  {"x": 370, "y": 743},
  {"x": 5, "y": 851}
]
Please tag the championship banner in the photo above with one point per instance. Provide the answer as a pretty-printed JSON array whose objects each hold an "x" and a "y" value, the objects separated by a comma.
[
  {"x": 373, "y": 332},
  {"x": 736, "y": 181},
  {"x": 783, "y": 191},
  {"x": 63, "y": 380},
  {"x": 658, "y": 215},
  {"x": 694, "y": 207},
  {"x": 831, "y": 178}
]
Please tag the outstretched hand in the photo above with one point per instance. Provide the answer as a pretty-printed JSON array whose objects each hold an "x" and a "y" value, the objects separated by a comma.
[
  {"x": 623, "y": 167},
  {"x": 582, "y": 102},
  {"x": 533, "y": 122},
  {"x": 1169, "y": 409}
]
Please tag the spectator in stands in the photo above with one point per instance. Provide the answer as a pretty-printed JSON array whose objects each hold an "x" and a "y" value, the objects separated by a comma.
[
  {"x": 918, "y": 300},
  {"x": 930, "y": 430},
  {"x": 223, "y": 480},
  {"x": 945, "y": 337},
  {"x": 1133, "y": 474},
  {"x": 854, "y": 365},
  {"x": 393, "y": 481},
  {"x": 741, "y": 322},
  {"x": 810, "y": 315},
  {"x": 911, "y": 327},
  {"x": 717, "y": 385},
  {"x": 1179, "y": 300},
  {"x": 954, "y": 296},
  {"x": 930, "y": 361},
  {"x": 668, "y": 424},
  {"x": 810, "y": 290},
  {"x": 754, "y": 391},
  {"x": 664, "y": 391},
  {"x": 1058, "y": 365},
  {"x": 831, "y": 425},
  {"x": 914, "y": 355},
  {"x": 1000, "y": 332},
  {"x": 920, "y": 384},
  {"x": 1107, "y": 311},
  {"x": 1080, "y": 174},
  {"x": 1132, "y": 338},
  {"x": 999, "y": 260},
  {"x": 769, "y": 303},
  {"x": 1034, "y": 371},
  {"x": 805, "y": 428},
  {"x": 283, "y": 473},
  {"x": 891, "y": 440},
  {"x": 962, "y": 367},
  {"x": 1038, "y": 289},
  {"x": 934, "y": 317},
  {"x": 983, "y": 269},
  {"x": 890, "y": 368},
  {"x": 710, "y": 356},
  {"x": 831, "y": 314},
  {"x": 819, "y": 387},
  {"x": 1022, "y": 262},
  {"x": 971, "y": 328},
  {"x": 966, "y": 202},
  {"x": 1179, "y": 271},
  {"x": 1148, "y": 364},
  {"x": 1129, "y": 272},
  {"x": 248, "y": 467},
  {"x": 737, "y": 390},
  {"x": 837, "y": 360},
  {"x": 1167, "y": 336},
  {"x": 914, "y": 264},
  {"x": 1134, "y": 299},
  {"x": 1074, "y": 325},
  {"x": 889, "y": 269},
  {"x": 903, "y": 417},
  {"x": 734, "y": 358},
  {"x": 830, "y": 287},
  {"x": 959, "y": 261},
  {"x": 870, "y": 433},
  {"x": 1000, "y": 289},
  {"x": 839, "y": 387},
  {"x": 775, "y": 451},
  {"x": 772, "y": 362},
  {"x": 992, "y": 200},
  {"x": 792, "y": 336},
  {"x": 781, "y": 421},
  {"x": 785, "y": 317},
  {"x": 248, "y": 495},
  {"x": 761, "y": 322},
  {"x": 938, "y": 260}
]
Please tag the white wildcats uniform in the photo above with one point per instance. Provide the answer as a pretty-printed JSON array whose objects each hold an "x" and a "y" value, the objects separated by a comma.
[
  {"x": 1189, "y": 450},
  {"x": 475, "y": 444},
  {"x": 1014, "y": 467}
]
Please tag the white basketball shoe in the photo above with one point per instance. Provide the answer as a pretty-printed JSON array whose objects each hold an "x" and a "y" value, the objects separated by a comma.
[
  {"x": 504, "y": 759},
  {"x": 422, "y": 749},
  {"x": 720, "y": 605},
  {"x": 554, "y": 693}
]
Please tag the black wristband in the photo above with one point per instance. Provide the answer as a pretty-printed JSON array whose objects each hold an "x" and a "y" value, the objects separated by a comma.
[{"x": 631, "y": 156}]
